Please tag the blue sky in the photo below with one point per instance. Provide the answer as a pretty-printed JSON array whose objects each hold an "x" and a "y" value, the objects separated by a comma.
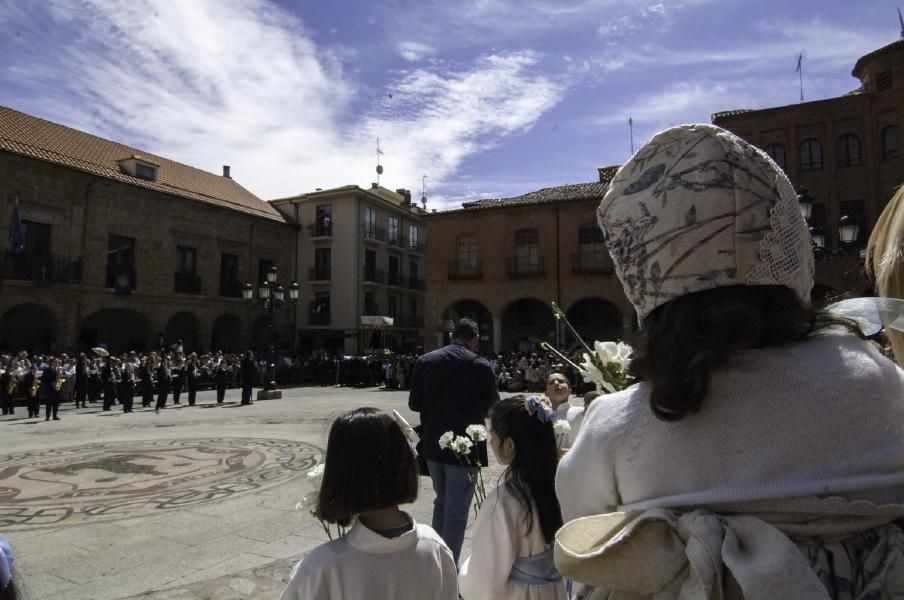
[{"x": 487, "y": 98}]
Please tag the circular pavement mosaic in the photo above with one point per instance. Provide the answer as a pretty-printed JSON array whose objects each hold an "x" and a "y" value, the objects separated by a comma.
[{"x": 116, "y": 480}]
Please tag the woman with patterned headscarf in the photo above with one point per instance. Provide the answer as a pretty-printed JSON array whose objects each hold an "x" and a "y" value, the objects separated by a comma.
[{"x": 762, "y": 454}]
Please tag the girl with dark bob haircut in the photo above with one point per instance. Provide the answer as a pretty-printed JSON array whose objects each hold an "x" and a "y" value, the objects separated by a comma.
[
  {"x": 369, "y": 470},
  {"x": 369, "y": 465}
]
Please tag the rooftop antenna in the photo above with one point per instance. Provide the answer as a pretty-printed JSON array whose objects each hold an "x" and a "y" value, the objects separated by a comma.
[
  {"x": 631, "y": 127},
  {"x": 901, "y": 21},
  {"x": 379, "y": 166},
  {"x": 424, "y": 192},
  {"x": 800, "y": 72}
]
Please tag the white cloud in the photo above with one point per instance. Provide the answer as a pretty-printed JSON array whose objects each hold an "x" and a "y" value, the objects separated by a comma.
[
  {"x": 415, "y": 51},
  {"x": 241, "y": 82}
]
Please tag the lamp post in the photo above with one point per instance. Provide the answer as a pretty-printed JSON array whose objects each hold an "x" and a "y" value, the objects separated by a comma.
[{"x": 271, "y": 298}]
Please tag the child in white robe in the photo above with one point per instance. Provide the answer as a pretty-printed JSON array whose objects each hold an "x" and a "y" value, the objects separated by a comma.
[
  {"x": 511, "y": 548},
  {"x": 370, "y": 469}
]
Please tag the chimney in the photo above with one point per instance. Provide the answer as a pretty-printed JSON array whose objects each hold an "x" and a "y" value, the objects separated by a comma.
[
  {"x": 374, "y": 186},
  {"x": 405, "y": 194},
  {"x": 226, "y": 171}
]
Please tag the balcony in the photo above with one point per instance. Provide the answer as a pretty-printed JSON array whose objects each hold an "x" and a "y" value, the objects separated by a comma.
[
  {"x": 460, "y": 270},
  {"x": 319, "y": 274},
  {"x": 395, "y": 239},
  {"x": 122, "y": 279},
  {"x": 230, "y": 289},
  {"x": 319, "y": 319},
  {"x": 415, "y": 284},
  {"x": 587, "y": 264},
  {"x": 42, "y": 270},
  {"x": 320, "y": 230},
  {"x": 187, "y": 283},
  {"x": 374, "y": 275},
  {"x": 394, "y": 278},
  {"x": 371, "y": 232},
  {"x": 525, "y": 267},
  {"x": 414, "y": 246}
]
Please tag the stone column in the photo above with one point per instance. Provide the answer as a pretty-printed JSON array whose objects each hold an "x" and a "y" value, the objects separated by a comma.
[{"x": 497, "y": 335}]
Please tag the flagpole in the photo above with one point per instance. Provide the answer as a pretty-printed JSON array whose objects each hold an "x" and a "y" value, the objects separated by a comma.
[
  {"x": 631, "y": 128},
  {"x": 800, "y": 73}
]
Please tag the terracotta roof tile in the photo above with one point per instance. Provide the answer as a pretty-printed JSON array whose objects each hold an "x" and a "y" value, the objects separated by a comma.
[
  {"x": 574, "y": 191},
  {"x": 57, "y": 144}
]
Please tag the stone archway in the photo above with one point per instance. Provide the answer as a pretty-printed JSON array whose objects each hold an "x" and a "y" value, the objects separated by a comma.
[
  {"x": 226, "y": 333},
  {"x": 184, "y": 326},
  {"x": 31, "y": 327},
  {"x": 525, "y": 323},
  {"x": 594, "y": 319},
  {"x": 472, "y": 309},
  {"x": 119, "y": 329}
]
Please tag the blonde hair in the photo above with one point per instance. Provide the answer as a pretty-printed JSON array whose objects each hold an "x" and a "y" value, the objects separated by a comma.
[{"x": 885, "y": 260}]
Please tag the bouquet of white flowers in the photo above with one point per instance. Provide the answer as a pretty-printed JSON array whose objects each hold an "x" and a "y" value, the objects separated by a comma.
[
  {"x": 604, "y": 365},
  {"x": 461, "y": 445}
]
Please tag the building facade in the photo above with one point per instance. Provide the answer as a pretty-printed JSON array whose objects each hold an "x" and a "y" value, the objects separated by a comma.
[
  {"x": 128, "y": 249},
  {"x": 843, "y": 151},
  {"x": 361, "y": 253},
  {"x": 502, "y": 262}
]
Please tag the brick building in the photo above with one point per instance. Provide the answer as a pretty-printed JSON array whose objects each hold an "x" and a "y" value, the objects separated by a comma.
[
  {"x": 123, "y": 247},
  {"x": 501, "y": 262},
  {"x": 361, "y": 253},
  {"x": 843, "y": 151}
]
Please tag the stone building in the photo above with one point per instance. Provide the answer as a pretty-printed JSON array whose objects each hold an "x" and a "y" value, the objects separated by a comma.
[
  {"x": 502, "y": 262},
  {"x": 124, "y": 248},
  {"x": 361, "y": 253},
  {"x": 843, "y": 151}
]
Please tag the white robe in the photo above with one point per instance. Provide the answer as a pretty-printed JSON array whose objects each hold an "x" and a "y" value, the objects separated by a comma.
[
  {"x": 364, "y": 565},
  {"x": 500, "y": 536}
]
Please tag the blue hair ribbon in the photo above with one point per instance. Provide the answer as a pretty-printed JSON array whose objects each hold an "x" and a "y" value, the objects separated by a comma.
[{"x": 540, "y": 409}]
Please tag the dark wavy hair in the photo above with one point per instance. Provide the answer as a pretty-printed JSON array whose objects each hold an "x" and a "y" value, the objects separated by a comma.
[
  {"x": 687, "y": 338},
  {"x": 369, "y": 465},
  {"x": 532, "y": 475}
]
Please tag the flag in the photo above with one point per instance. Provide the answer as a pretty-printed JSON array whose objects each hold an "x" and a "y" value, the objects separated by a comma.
[
  {"x": 800, "y": 58},
  {"x": 16, "y": 233}
]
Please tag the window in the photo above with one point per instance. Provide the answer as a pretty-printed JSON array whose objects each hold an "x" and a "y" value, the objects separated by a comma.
[
  {"x": 883, "y": 80},
  {"x": 37, "y": 239},
  {"x": 370, "y": 222},
  {"x": 526, "y": 250},
  {"x": 889, "y": 142},
  {"x": 412, "y": 237},
  {"x": 370, "y": 304},
  {"x": 322, "y": 264},
  {"x": 370, "y": 265},
  {"x": 145, "y": 172},
  {"x": 777, "y": 153},
  {"x": 323, "y": 220},
  {"x": 413, "y": 282},
  {"x": 263, "y": 266},
  {"x": 810, "y": 155},
  {"x": 467, "y": 252},
  {"x": 229, "y": 276},
  {"x": 393, "y": 270},
  {"x": 592, "y": 253},
  {"x": 186, "y": 277},
  {"x": 392, "y": 303},
  {"x": 848, "y": 150},
  {"x": 394, "y": 230},
  {"x": 120, "y": 263},
  {"x": 412, "y": 309},
  {"x": 320, "y": 309}
]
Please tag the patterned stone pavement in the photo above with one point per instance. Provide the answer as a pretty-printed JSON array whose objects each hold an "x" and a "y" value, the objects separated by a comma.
[{"x": 188, "y": 504}]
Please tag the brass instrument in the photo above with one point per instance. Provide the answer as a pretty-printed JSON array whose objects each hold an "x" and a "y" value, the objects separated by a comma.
[
  {"x": 60, "y": 380},
  {"x": 35, "y": 386},
  {"x": 12, "y": 385}
]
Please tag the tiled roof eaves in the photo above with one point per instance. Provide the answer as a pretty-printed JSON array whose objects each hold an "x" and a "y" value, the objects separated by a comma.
[
  {"x": 49, "y": 156},
  {"x": 501, "y": 206},
  {"x": 803, "y": 106}
]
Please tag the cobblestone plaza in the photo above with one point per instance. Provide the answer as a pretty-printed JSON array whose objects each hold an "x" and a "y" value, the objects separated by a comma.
[{"x": 190, "y": 503}]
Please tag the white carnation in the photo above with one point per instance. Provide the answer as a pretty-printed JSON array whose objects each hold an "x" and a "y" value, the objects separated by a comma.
[
  {"x": 462, "y": 445},
  {"x": 446, "y": 439},
  {"x": 478, "y": 433},
  {"x": 561, "y": 426}
]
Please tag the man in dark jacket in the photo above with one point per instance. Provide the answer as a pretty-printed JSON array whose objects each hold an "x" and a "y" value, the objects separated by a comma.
[
  {"x": 452, "y": 388},
  {"x": 249, "y": 369}
]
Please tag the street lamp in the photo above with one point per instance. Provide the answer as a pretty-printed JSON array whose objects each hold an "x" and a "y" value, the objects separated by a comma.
[
  {"x": 271, "y": 295},
  {"x": 819, "y": 237},
  {"x": 806, "y": 204},
  {"x": 848, "y": 229}
]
